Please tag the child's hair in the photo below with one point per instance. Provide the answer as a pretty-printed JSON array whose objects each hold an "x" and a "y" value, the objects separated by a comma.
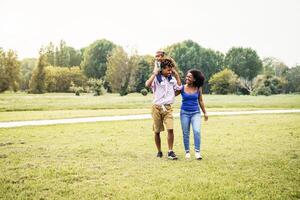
[
  {"x": 167, "y": 62},
  {"x": 161, "y": 52},
  {"x": 198, "y": 76}
]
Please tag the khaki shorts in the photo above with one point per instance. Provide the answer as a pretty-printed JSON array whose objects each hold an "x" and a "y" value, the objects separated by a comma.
[{"x": 161, "y": 118}]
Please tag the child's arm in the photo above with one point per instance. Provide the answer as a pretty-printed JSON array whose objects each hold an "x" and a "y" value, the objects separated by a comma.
[
  {"x": 201, "y": 103},
  {"x": 152, "y": 77}
]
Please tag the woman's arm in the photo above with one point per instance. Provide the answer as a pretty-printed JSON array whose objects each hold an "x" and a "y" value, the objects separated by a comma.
[
  {"x": 177, "y": 92},
  {"x": 201, "y": 103}
]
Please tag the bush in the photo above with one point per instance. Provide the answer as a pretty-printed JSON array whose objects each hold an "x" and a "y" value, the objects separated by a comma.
[
  {"x": 263, "y": 90},
  {"x": 268, "y": 85},
  {"x": 59, "y": 79},
  {"x": 224, "y": 82},
  {"x": 77, "y": 90},
  {"x": 144, "y": 92},
  {"x": 97, "y": 86}
]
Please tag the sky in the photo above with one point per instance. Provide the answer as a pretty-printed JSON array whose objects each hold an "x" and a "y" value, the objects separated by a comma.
[{"x": 271, "y": 27}]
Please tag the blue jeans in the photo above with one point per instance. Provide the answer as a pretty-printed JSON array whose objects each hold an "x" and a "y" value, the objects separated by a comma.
[{"x": 188, "y": 118}]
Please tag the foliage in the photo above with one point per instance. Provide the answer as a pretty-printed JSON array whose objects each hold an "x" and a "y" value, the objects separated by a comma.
[
  {"x": 59, "y": 79},
  {"x": 244, "y": 62},
  {"x": 37, "y": 82},
  {"x": 293, "y": 78},
  {"x": 9, "y": 71},
  {"x": 143, "y": 71},
  {"x": 267, "y": 85},
  {"x": 211, "y": 63},
  {"x": 76, "y": 89},
  {"x": 187, "y": 54},
  {"x": 120, "y": 71},
  {"x": 97, "y": 86},
  {"x": 62, "y": 55},
  {"x": 274, "y": 67},
  {"x": 144, "y": 92},
  {"x": 224, "y": 82},
  {"x": 95, "y": 58},
  {"x": 4, "y": 78},
  {"x": 27, "y": 66},
  {"x": 190, "y": 55}
]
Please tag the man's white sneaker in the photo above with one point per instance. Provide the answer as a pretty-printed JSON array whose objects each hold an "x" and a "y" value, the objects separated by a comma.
[
  {"x": 198, "y": 155},
  {"x": 187, "y": 155}
]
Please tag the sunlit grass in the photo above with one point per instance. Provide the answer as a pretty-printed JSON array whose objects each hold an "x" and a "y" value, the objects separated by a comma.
[{"x": 245, "y": 157}]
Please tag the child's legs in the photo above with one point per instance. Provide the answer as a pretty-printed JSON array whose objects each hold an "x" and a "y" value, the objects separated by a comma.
[
  {"x": 196, "y": 124},
  {"x": 185, "y": 126}
]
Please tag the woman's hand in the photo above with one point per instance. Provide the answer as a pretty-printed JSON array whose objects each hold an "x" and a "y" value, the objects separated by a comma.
[{"x": 205, "y": 116}]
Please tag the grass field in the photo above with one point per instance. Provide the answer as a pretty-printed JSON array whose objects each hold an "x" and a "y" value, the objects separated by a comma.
[
  {"x": 20, "y": 106},
  {"x": 245, "y": 157}
]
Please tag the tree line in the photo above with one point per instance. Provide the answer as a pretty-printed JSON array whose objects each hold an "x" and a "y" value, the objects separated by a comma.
[{"x": 106, "y": 67}]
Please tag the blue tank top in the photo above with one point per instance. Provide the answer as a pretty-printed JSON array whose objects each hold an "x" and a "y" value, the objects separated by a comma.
[{"x": 190, "y": 101}]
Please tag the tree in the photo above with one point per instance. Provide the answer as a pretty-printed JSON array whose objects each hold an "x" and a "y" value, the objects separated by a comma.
[
  {"x": 37, "y": 82},
  {"x": 211, "y": 63},
  {"x": 63, "y": 55},
  {"x": 224, "y": 82},
  {"x": 119, "y": 70},
  {"x": 144, "y": 69},
  {"x": 50, "y": 54},
  {"x": 273, "y": 66},
  {"x": 293, "y": 78},
  {"x": 27, "y": 66},
  {"x": 4, "y": 78},
  {"x": 75, "y": 57},
  {"x": 9, "y": 71},
  {"x": 12, "y": 70},
  {"x": 187, "y": 55},
  {"x": 244, "y": 62},
  {"x": 95, "y": 58}
]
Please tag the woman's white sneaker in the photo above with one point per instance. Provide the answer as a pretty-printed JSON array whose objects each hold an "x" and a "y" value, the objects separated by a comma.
[
  {"x": 187, "y": 155},
  {"x": 198, "y": 156}
]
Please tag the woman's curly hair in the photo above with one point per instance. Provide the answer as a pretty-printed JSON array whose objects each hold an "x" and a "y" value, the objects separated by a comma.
[{"x": 198, "y": 76}]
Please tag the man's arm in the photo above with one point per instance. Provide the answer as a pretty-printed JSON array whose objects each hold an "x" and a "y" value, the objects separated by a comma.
[{"x": 152, "y": 77}]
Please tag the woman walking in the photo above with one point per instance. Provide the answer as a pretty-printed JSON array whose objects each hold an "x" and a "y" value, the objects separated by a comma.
[{"x": 190, "y": 113}]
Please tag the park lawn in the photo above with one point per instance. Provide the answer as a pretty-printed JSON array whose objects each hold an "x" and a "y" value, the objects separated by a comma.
[
  {"x": 245, "y": 157},
  {"x": 21, "y": 106}
]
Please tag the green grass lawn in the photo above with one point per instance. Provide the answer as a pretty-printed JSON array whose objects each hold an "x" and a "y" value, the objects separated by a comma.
[
  {"x": 21, "y": 106},
  {"x": 245, "y": 157}
]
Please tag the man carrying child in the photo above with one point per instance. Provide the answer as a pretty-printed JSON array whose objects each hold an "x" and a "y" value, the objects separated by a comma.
[{"x": 164, "y": 81}]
